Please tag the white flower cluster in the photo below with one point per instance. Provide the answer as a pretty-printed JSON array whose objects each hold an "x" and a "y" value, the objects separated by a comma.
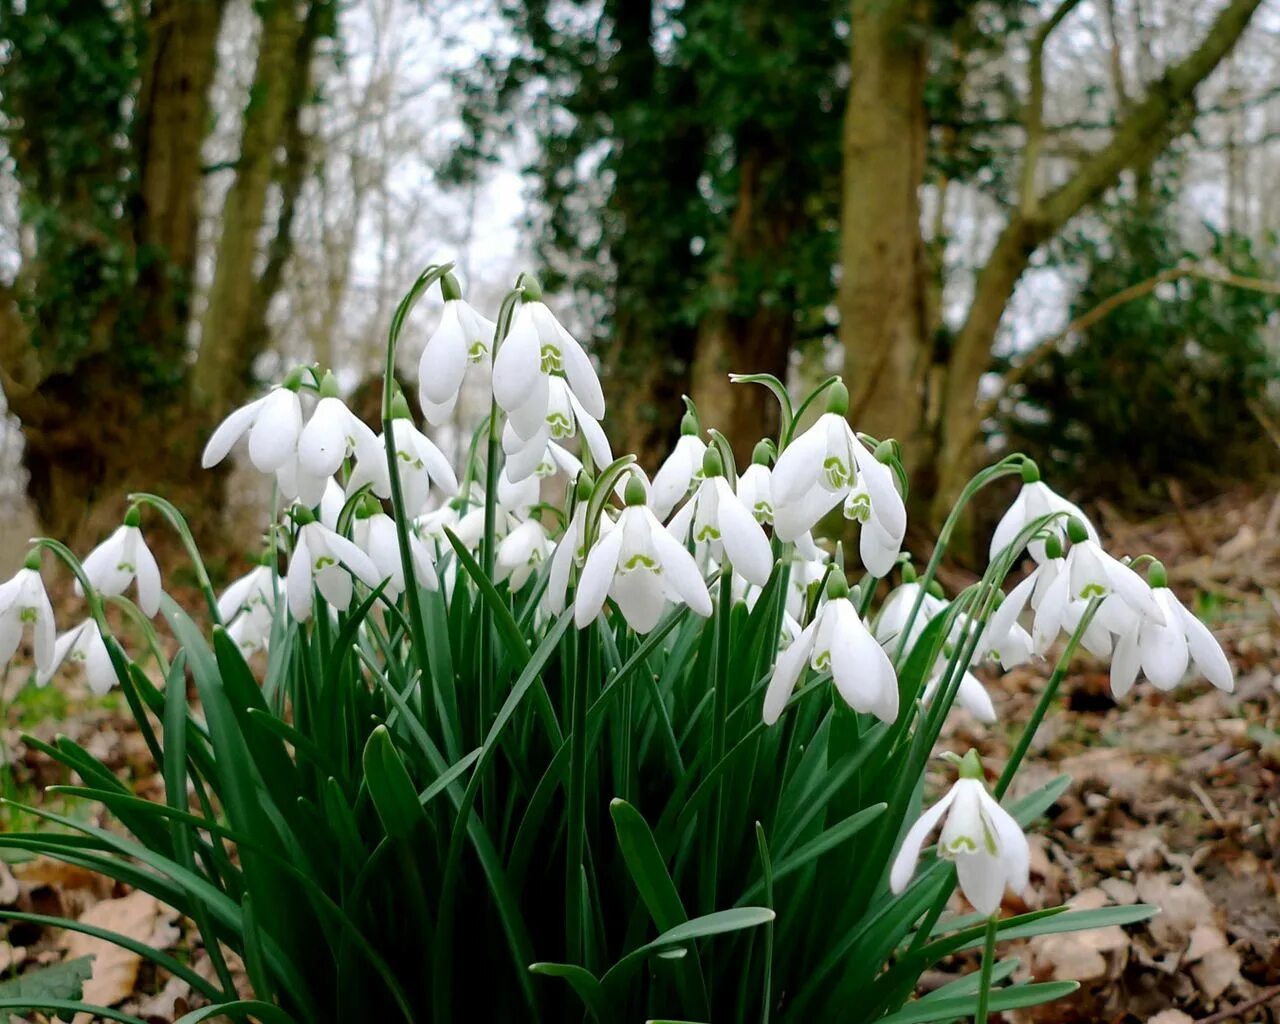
[{"x": 650, "y": 545}]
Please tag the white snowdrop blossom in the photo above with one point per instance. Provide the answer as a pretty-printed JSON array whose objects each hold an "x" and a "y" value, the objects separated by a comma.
[
  {"x": 988, "y": 847},
  {"x": 721, "y": 526},
  {"x": 837, "y": 641},
  {"x": 521, "y": 552},
  {"x": 536, "y": 348},
  {"x": 273, "y": 423},
  {"x": 421, "y": 466},
  {"x": 324, "y": 558},
  {"x": 755, "y": 491},
  {"x": 332, "y": 434},
  {"x": 375, "y": 535},
  {"x": 680, "y": 471},
  {"x": 896, "y": 610},
  {"x": 462, "y": 340},
  {"x": 570, "y": 551},
  {"x": 1163, "y": 651},
  {"x": 248, "y": 607},
  {"x": 565, "y": 418},
  {"x": 970, "y": 694},
  {"x": 122, "y": 559},
  {"x": 1035, "y": 500},
  {"x": 82, "y": 646},
  {"x": 23, "y": 603},
  {"x": 826, "y": 465},
  {"x": 641, "y": 566}
]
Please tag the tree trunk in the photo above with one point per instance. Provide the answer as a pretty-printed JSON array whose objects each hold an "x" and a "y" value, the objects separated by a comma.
[
  {"x": 746, "y": 337},
  {"x": 883, "y": 299},
  {"x": 225, "y": 361},
  {"x": 1141, "y": 135}
]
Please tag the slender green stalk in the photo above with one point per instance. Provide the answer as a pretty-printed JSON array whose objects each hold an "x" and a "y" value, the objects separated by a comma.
[
  {"x": 988, "y": 962},
  {"x": 413, "y": 604},
  {"x": 1045, "y": 701},
  {"x": 179, "y": 523},
  {"x": 576, "y": 823},
  {"x": 719, "y": 721}
]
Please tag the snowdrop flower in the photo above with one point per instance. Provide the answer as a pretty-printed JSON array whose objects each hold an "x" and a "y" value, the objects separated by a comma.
[
  {"x": 970, "y": 695},
  {"x": 536, "y": 348},
  {"x": 120, "y": 560},
  {"x": 1163, "y": 651},
  {"x": 23, "y": 603},
  {"x": 332, "y": 502},
  {"x": 828, "y": 464},
  {"x": 642, "y": 567},
  {"x": 462, "y": 340},
  {"x": 421, "y": 464},
  {"x": 324, "y": 559},
  {"x": 755, "y": 485},
  {"x": 838, "y": 641},
  {"x": 722, "y": 527},
  {"x": 1034, "y": 501},
  {"x": 273, "y": 423},
  {"x": 808, "y": 567},
  {"x": 571, "y": 548},
  {"x": 565, "y": 418},
  {"x": 248, "y": 608},
  {"x": 84, "y": 646},
  {"x": 374, "y": 533},
  {"x": 332, "y": 434},
  {"x": 987, "y": 845},
  {"x": 892, "y": 620},
  {"x": 680, "y": 471},
  {"x": 521, "y": 552}
]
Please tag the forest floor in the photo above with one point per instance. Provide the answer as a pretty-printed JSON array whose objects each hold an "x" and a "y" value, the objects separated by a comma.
[{"x": 1174, "y": 801}]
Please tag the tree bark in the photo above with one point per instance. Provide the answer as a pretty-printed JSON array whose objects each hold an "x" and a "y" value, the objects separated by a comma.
[
  {"x": 1143, "y": 133},
  {"x": 223, "y": 367},
  {"x": 883, "y": 299}
]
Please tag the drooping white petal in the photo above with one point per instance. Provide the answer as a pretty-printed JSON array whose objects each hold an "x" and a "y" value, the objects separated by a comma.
[
  {"x": 62, "y": 646},
  {"x": 982, "y": 879},
  {"x": 351, "y": 556},
  {"x": 800, "y": 464},
  {"x": 298, "y": 580},
  {"x": 973, "y": 697},
  {"x": 1125, "y": 661},
  {"x": 786, "y": 673},
  {"x": 877, "y": 549},
  {"x": 104, "y": 565},
  {"x": 517, "y": 363},
  {"x": 679, "y": 567},
  {"x": 793, "y": 519},
  {"x": 1205, "y": 649},
  {"x": 743, "y": 538},
  {"x": 530, "y": 416},
  {"x": 676, "y": 474},
  {"x": 593, "y": 436},
  {"x": 273, "y": 440},
  {"x": 886, "y": 503},
  {"x": 596, "y": 577},
  {"x": 640, "y": 597},
  {"x": 444, "y": 359},
  {"x": 148, "y": 576},
  {"x": 324, "y": 440},
  {"x": 1011, "y": 523},
  {"x": 1163, "y": 649},
  {"x": 335, "y": 586},
  {"x": 229, "y": 431},
  {"x": 904, "y": 864},
  {"x": 858, "y": 664},
  {"x": 581, "y": 375},
  {"x": 1015, "y": 851}
]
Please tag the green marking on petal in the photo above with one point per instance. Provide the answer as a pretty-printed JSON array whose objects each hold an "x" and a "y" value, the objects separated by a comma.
[{"x": 551, "y": 359}]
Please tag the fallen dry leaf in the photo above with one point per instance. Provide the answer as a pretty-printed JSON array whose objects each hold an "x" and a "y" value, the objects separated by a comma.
[
  {"x": 115, "y": 970},
  {"x": 1170, "y": 1017},
  {"x": 1217, "y": 972}
]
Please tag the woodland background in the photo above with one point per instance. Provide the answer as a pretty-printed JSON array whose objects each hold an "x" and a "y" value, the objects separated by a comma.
[{"x": 1009, "y": 223}]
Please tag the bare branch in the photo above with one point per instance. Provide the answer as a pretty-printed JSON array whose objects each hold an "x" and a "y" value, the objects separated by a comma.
[{"x": 1034, "y": 118}]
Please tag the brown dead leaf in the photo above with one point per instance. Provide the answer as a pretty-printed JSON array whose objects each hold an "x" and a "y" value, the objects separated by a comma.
[
  {"x": 1170, "y": 1017},
  {"x": 1183, "y": 906},
  {"x": 9, "y": 890},
  {"x": 1205, "y": 938},
  {"x": 1079, "y": 956},
  {"x": 10, "y": 957},
  {"x": 1217, "y": 972},
  {"x": 115, "y": 970}
]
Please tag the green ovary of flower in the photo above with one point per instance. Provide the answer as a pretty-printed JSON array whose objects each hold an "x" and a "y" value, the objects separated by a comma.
[
  {"x": 551, "y": 361},
  {"x": 836, "y": 472}
]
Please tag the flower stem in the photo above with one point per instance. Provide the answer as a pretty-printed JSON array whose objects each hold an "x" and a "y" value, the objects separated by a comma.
[
  {"x": 576, "y": 824},
  {"x": 988, "y": 962},
  {"x": 719, "y": 721}
]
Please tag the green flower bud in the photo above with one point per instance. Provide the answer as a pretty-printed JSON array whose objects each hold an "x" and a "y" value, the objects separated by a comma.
[
  {"x": 971, "y": 767},
  {"x": 328, "y": 385},
  {"x": 302, "y": 515},
  {"x": 449, "y": 288},
  {"x": 688, "y": 425},
  {"x": 838, "y": 398},
  {"x": 712, "y": 464},
  {"x": 293, "y": 382},
  {"x": 1156, "y": 575},
  {"x": 133, "y": 517},
  {"x": 837, "y": 586},
  {"x": 32, "y": 560},
  {"x": 400, "y": 407},
  {"x": 908, "y": 573},
  {"x": 634, "y": 494},
  {"x": 886, "y": 450},
  {"x": 585, "y": 486},
  {"x": 762, "y": 455},
  {"x": 367, "y": 507},
  {"x": 1030, "y": 472},
  {"x": 1053, "y": 547},
  {"x": 935, "y": 588},
  {"x": 1076, "y": 531},
  {"x": 530, "y": 288}
]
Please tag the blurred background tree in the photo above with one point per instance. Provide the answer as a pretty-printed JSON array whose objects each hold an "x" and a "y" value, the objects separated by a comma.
[{"x": 917, "y": 193}]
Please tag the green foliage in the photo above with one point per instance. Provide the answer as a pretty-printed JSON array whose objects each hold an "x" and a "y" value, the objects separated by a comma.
[
  {"x": 1171, "y": 373},
  {"x": 68, "y": 81}
]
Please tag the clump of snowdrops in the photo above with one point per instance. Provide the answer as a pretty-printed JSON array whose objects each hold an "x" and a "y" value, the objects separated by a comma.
[{"x": 467, "y": 751}]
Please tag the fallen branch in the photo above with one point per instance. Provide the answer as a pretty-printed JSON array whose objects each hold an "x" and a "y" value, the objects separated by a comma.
[{"x": 1265, "y": 996}]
